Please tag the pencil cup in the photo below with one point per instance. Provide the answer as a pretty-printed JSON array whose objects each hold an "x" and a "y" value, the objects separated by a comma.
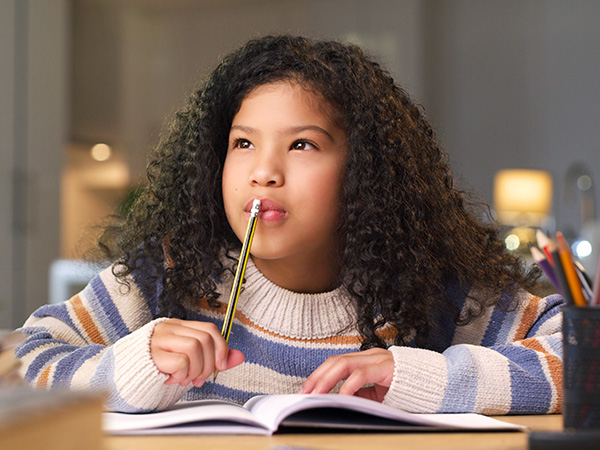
[{"x": 581, "y": 367}]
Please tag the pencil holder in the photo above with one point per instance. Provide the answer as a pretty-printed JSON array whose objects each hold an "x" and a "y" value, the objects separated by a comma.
[{"x": 581, "y": 367}]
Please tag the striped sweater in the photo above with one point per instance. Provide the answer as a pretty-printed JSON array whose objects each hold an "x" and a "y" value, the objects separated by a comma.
[{"x": 500, "y": 363}]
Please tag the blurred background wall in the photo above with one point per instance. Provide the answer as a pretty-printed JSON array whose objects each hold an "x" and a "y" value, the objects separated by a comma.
[{"x": 506, "y": 84}]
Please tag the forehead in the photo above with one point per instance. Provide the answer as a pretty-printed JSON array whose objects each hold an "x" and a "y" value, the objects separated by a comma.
[{"x": 290, "y": 94}]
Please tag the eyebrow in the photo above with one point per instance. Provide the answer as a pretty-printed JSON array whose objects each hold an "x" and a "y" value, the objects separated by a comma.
[{"x": 297, "y": 129}]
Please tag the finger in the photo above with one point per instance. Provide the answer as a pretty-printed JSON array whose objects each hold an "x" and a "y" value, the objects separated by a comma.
[
  {"x": 367, "y": 392},
  {"x": 221, "y": 350},
  {"x": 371, "y": 366},
  {"x": 199, "y": 331},
  {"x": 173, "y": 364},
  {"x": 376, "y": 393},
  {"x": 201, "y": 351},
  {"x": 235, "y": 359},
  {"x": 331, "y": 372},
  {"x": 198, "y": 349},
  {"x": 309, "y": 384},
  {"x": 365, "y": 374}
]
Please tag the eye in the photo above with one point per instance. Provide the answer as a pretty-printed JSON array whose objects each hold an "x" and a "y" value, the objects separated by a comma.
[
  {"x": 303, "y": 145},
  {"x": 242, "y": 143}
]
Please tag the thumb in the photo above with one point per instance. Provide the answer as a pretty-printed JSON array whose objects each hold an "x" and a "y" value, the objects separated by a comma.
[{"x": 235, "y": 358}]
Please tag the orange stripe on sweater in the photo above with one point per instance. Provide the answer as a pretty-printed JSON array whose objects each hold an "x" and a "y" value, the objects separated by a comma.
[
  {"x": 86, "y": 321},
  {"x": 387, "y": 334},
  {"x": 530, "y": 315},
  {"x": 336, "y": 340},
  {"x": 42, "y": 381},
  {"x": 554, "y": 365}
]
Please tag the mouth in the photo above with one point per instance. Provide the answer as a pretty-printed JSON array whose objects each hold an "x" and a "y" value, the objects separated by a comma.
[{"x": 270, "y": 210}]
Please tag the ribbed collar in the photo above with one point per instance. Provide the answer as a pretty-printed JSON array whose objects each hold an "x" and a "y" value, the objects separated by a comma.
[{"x": 293, "y": 314}]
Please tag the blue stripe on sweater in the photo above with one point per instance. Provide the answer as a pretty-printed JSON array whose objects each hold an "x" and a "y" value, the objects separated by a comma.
[
  {"x": 67, "y": 366},
  {"x": 39, "y": 334},
  {"x": 100, "y": 308},
  {"x": 495, "y": 333},
  {"x": 461, "y": 391},
  {"x": 212, "y": 390},
  {"x": 103, "y": 302},
  {"x": 553, "y": 304},
  {"x": 104, "y": 379},
  {"x": 283, "y": 358},
  {"x": 59, "y": 311},
  {"x": 149, "y": 294},
  {"x": 555, "y": 342},
  {"x": 47, "y": 356},
  {"x": 277, "y": 356},
  {"x": 526, "y": 376}
]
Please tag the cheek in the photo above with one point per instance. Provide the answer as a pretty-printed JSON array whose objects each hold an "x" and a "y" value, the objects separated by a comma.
[
  {"x": 325, "y": 191},
  {"x": 230, "y": 179},
  {"x": 229, "y": 189}
]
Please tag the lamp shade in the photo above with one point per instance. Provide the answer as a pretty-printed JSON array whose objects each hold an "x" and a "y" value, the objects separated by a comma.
[{"x": 522, "y": 197}]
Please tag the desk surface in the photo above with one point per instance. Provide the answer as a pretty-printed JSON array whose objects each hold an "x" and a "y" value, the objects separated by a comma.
[{"x": 341, "y": 441}]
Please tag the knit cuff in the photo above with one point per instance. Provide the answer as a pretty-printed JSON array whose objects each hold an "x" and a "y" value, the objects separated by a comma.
[
  {"x": 138, "y": 381},
  {"x": 420, "y": 380}
]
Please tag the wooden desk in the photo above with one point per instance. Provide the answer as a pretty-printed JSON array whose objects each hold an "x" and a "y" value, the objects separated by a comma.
[{"x": 433, "y": 440}]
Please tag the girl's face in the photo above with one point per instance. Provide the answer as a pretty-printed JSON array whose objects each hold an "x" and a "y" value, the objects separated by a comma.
[{"x": 285, "y": 149}]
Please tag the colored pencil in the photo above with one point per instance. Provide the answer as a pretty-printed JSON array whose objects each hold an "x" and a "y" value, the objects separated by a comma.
[
  {"x": 566, "y": 260},
  {"x": 586, "y": 283},
  {"x": 596, "y": 292},
  {"x": 541, "y": 261},
  {"x": 562, "y": 279},
  {"x": 239, "y": 273},
  {"x": 546, "y": 244}
]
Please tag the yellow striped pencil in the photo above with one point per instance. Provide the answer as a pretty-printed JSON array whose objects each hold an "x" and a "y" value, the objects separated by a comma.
[
  {"x": 239, "y": 273},
  {"x": 569, "y": 268}
]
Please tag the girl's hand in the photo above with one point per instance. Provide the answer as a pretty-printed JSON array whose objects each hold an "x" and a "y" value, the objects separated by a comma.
[
  {"x": 374, "y": 366},
  {"x": 190, "y": 351}
]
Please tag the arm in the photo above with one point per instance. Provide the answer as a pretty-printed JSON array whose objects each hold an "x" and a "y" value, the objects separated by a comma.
[
  {"x": 501, "y": 362},
  {"x": 100, "y": 339}
]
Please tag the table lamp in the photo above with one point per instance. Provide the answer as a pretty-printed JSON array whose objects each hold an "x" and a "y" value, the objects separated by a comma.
[{"x": 522, "y": 201}]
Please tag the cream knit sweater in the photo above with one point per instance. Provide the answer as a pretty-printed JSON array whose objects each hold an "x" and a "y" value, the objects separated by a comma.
[{"x": 502, "y": 362}]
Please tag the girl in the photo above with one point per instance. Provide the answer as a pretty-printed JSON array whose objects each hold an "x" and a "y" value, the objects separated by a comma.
[{"x": 368, "y": 275}]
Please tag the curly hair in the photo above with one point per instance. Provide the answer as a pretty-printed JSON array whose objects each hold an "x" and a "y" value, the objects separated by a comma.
[{"x": 406, "y": 232}]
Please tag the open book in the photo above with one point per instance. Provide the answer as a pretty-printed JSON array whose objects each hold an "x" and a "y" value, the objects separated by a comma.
[{"x": 267, "y": 414}]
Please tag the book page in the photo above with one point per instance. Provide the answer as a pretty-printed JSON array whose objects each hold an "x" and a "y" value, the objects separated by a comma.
[
  {"x": 273, "y": 409},
  {"x": 196, "y": 417}
]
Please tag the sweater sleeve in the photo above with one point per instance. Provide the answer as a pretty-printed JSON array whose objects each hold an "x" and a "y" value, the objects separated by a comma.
[
  {"x": 98, "y": 340},
  {"x": 500, "y": 363}
]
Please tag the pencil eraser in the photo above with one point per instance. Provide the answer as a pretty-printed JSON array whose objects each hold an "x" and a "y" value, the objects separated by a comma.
[{"x": 255, "y": 207}]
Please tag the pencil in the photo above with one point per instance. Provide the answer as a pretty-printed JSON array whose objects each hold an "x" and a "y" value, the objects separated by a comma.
[
  {"x": 569, "y": 268},
  {"x": 586, "y": 283},
  {"x": 596, "y": 293},
  {"x": 239, "y": 273},
  {"x": 546, "y": 244},
  {"x": 560, "y": 276},
  {"x": 541, "y": 261}
]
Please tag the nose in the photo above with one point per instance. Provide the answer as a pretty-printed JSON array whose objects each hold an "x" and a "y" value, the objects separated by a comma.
[{"x": 267, "y": 170}]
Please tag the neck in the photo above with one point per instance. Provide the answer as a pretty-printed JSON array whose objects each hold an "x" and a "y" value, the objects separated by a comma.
[{"x": 293, "y": 274}]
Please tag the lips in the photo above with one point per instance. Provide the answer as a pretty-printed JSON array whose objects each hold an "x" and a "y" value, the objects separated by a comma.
[{"x": 270, "y": 210}]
